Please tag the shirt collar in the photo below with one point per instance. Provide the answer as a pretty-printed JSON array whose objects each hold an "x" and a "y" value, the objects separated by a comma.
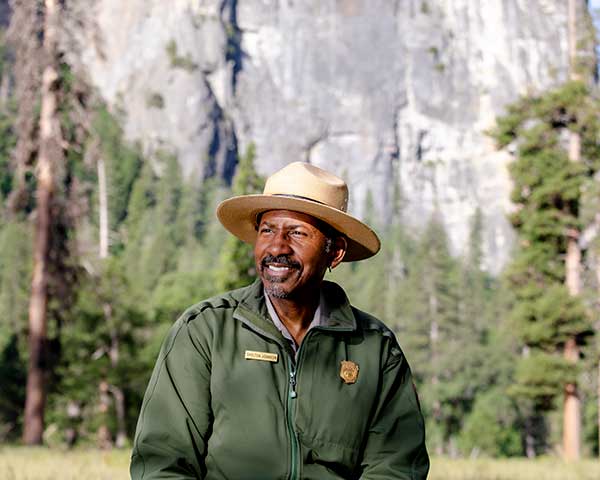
[{"x": 320, "y": 318}]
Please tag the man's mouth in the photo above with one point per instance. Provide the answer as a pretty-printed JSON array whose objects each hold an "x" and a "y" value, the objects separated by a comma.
[
  {"x": 275, "y": 268},
  {"x": 279, "y": 265}
]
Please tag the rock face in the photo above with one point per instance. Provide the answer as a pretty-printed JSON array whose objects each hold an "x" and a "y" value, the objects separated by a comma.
[{"x": 396, "y": 96}]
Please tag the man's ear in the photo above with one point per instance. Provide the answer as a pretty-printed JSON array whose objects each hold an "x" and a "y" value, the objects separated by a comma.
[{"x": 338, "y": 251}]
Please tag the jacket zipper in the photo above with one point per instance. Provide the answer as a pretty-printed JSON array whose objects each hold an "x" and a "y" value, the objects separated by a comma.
[{"x": 292, "y": 395}]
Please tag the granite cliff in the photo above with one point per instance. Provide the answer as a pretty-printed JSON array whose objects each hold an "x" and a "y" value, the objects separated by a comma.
[{"x": 396, "y": 95}]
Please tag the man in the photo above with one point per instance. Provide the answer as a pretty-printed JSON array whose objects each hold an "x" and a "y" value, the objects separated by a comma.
[{"x": 284, "y": 379}]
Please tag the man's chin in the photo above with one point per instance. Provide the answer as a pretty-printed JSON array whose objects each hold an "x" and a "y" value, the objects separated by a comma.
[
  {"x": 275, "y": 291},
  {"x": 275, "y": 287}
]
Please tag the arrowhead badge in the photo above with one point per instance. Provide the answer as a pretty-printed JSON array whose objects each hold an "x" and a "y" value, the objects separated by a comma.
[{"x": 349, "y": 372}]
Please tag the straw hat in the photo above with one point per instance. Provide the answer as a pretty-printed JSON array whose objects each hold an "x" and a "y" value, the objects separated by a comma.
[{"x": 304, "y": 188}]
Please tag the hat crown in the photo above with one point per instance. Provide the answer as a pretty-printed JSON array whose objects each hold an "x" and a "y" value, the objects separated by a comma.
[{"x": 301, "y": 179}]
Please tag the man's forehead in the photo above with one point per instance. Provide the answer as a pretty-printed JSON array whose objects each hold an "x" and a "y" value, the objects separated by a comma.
[{"x": 289, "y": 215}]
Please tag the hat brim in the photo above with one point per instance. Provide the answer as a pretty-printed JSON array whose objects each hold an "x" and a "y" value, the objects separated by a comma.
[{"x": 238, "y": 215}]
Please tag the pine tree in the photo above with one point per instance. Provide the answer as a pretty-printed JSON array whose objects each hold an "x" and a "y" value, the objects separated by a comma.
[
  {"x": 547, "y": 192},
  {"x": 50, "y": 158},
  {"x": 236, "y": 262}
]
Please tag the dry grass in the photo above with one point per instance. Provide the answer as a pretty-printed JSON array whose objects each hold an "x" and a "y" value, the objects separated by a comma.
[
  {"x": 513, "y": 469},
  {"x": 27, "y": 463},
  {"x": 21, "y": 463}
]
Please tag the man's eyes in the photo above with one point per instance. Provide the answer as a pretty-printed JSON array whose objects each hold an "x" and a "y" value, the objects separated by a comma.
[{"x": 292, "y": 233}]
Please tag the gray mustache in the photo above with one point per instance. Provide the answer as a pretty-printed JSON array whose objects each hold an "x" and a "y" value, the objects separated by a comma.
[{"x": 280, "y": 259}]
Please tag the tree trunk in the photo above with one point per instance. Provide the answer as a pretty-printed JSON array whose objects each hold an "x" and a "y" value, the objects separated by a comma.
[
  {"x": 598, "y": 333},
  {"x": 572, "y": 402},
  {"x": 24, "y": 34},
  {"x": 598, "y": 406},
  {"x": 434, "y": 335},
  {"x": 4, "y": 91},
  {"x": 103, "y": 206},
  {"x": 571, "y": 409},
  {"x": 104, "y": 435},
  {"x": 117, "y": 392},
  {"x": 113, "y": 352},
  {"x": 50, "y": 154},
  {"x": 119, "y": 396}
]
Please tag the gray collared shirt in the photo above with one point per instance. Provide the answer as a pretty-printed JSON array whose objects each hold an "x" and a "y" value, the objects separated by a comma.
[{"x": 320, "y": 318}]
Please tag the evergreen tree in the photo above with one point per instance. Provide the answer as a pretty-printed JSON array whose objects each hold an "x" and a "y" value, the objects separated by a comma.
[
  {"x": 88, "y": 342},
  {"x": 236, "y": 262},
  {"x": 123, "y": 166},
  {"x": 547, "y": 192}
]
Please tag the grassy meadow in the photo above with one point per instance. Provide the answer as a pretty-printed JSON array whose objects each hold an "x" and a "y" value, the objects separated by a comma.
[{"x": 20, "y": 463}]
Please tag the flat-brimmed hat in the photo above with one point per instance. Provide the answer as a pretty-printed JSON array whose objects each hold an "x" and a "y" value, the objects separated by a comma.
[{"x": 304, "y": 188}]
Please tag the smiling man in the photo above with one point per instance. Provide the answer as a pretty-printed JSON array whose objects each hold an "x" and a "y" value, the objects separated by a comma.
[{"x": 284, "y": 379}]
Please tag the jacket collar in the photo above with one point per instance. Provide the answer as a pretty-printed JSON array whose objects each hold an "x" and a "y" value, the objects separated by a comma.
[{"x": 252, "y": 310}]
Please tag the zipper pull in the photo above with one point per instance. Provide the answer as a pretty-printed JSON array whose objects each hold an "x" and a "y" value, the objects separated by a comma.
[{"x": 293, "y": 393}]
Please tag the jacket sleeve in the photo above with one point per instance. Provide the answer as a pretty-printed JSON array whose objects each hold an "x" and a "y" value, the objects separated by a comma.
[
  {"x": 395, "y": 447},
  {"x": 175, "y": 419}
]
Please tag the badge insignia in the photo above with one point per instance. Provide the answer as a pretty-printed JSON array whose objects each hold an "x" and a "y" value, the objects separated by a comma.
[{"x": 349, "y": 372}]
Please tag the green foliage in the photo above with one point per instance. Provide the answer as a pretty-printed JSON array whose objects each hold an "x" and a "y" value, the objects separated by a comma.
[
  {"x": 15, "y": 276},
  {"x": 236, "y": 262},
  {"x": 445, "y": 313},
  {"x": 104, "y": 318},
  {"x": 540, "y": 376},
  {"x": 461, "y": 329},
  {"x": 123, "y": 165},
  {"x": 492, "y": 426},
  {"x": 13, "y": 374},
  {"x": 548, "y": 193},
  {"x": 8, "y": 141}
]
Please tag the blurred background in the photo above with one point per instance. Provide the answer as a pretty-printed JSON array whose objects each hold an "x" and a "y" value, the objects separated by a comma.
[{"x": 468, "y": 132}]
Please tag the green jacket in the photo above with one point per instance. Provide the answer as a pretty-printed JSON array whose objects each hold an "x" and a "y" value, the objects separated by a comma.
[{"x": 209, "y": 412}]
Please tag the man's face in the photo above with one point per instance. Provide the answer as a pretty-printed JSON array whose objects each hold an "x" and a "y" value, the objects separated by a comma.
[{"x": 290, "y": 253}]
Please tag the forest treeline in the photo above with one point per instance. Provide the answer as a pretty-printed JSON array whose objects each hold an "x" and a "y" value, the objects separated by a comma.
[{"x": 505, "y": 365}]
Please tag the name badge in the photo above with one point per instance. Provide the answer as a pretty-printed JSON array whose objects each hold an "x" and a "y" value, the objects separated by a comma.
[{"x": 264, "y": 356}]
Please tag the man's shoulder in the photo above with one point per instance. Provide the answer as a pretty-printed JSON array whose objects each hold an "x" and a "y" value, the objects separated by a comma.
[
  {"x": 367, "y": 322},
  {"x": 336, "y": 297},
  {"x": 222, "y": 302}
]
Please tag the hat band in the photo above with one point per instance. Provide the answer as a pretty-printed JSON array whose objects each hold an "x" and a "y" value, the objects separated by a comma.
[{"x": 301, "y": 198}]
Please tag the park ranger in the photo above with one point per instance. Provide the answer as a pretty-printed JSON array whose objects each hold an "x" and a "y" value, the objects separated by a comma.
[{"x": 284, "y": 379}]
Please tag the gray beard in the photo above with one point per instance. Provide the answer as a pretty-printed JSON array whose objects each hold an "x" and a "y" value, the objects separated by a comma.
[{"x": 276, "y": 292}]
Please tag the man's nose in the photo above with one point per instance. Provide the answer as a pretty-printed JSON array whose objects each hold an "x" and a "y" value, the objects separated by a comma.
[{"x": 280, "y": 244}]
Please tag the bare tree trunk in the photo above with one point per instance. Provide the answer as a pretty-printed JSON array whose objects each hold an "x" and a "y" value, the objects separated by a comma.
[
  {"x": 116, "y": 391},
  {"x": 571, "y": 409},
  {"x": 572, "y": 402},
  {"x": 23, "y": 34},
  {"x": 103, "y": 201},
  {"x": 113, "y": 352},
  {"x": 597, "y": 333},
  {"x": 434, "y": 335},
  {"x": 4, "y": 90},
  {"x": 104, "y": 436},
  {"x": 50, "y": 154},
  {"x": 598, "y": 406}
]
